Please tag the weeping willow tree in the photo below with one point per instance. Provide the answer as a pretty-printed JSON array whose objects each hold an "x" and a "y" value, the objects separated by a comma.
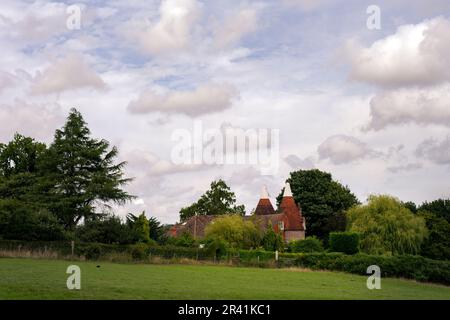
[{"x": 387, "y": 227}]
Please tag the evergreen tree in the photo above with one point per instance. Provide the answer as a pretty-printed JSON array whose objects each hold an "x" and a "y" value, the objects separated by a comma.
[{"x": 82, "y": 174}]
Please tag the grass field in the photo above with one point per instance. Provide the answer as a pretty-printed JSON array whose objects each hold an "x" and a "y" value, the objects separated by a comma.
[{"x": 46, "y": 279}]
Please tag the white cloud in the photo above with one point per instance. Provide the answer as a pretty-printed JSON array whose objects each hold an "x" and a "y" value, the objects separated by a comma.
[
  {"x": 405, "y": 167},
  {"x": 67, "y": 73},
  {"x": 235, "y": 27},
  {"x": 341, "y": 149},
  {"x": 204, "y": 99},
  {"x": 296, "y": 162},
  {"x": 6, "y": 80},
  {"x": 36, "y": 120},
  {"x": 435, "y": 151},
  {"x": 171, "y": 32},
  {"x": 410, "y": 105},
  {"x": 305, "y": 5},
  {"x": 414, "y": 55}
]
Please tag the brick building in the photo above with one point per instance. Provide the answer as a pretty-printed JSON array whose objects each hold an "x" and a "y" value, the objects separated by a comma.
[{"x": 286, "y": 220}]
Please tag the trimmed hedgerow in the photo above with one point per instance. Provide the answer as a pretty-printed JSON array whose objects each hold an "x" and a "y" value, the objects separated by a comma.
[
  {"x": 346, "y": 242},
  {"x": 405, "y": 266},
  {"x": 310, "y": 244}
]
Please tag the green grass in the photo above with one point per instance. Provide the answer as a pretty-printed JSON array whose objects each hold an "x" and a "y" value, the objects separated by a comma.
[{"x": 46, "y": 279}]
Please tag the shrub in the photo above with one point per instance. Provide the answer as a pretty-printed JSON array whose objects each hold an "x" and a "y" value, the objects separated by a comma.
[
  {"x": 216, "y": 247},
  {"x": 405, "y": 266},
  {"x": 346, "y": 242},
  {"x": 271, "y": 240},
  {"x": 139, "y": 251},
  {"x": 93, "y": 252},
  {"x": 310, "y": 244}
]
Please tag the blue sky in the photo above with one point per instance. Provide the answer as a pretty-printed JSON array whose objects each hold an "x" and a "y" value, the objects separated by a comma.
[{"x": 370, "y": 106}]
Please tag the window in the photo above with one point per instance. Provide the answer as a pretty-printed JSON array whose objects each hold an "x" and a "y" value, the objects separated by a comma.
[{"x": 281, "y": 225}]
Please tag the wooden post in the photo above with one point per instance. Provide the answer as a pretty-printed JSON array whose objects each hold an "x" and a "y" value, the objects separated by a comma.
[
  {"x": 276, "y": 255},
  {"x": 72, "y": 247}
]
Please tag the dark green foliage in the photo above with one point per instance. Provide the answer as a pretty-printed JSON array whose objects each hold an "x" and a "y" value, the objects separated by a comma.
[
  {"x": 185, "y": 240},
  {"x": 272, "y": 241},
  {"x": 411, "y": 206},
  {"x": 405, "y": 266},
  {"x": 216, "y": 247},
  {"x": 322, "y": 200},
  {"x": 346, "y": 242},
  {"x": 21, "y": 155},
  {"x": 82, "y": 172},
  {"x": 219, "y": 199},
  {"x": 156, "y": 231},
  {"x": 139, "y": 251},
  {"x": 105, "y": 230},
  {"x": 439, "y": 207},
  {"x": 310, "y": 244},
  {"x": 139, "y": 226},
  {"x": 437, "y": 245},
  {"x": 93, "y": 252},
  {"x": 22, "y": 221}
]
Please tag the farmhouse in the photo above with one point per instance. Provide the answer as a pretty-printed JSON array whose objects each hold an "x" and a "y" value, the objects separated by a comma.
[{"x": 286, "y": 220}]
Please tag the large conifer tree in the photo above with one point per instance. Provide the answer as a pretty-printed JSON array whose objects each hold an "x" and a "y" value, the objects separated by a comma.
[{"x": 82, "y": 172}]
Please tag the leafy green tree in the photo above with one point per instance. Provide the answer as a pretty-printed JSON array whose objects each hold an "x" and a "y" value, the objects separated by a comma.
[
  {"x": 322, "y": 200},
  {"x": 82, "y": 172},
  {"x": 387, "y": 227},
  {"x": 233, "y": 230},
  {"x": 109, "y": 229},
  {"x": 411, "y": 206},
  {"x": 439, "y": 207},
  {"x": 140, "y": 226},
  {"x": 271, "y": 240},
  {"x": 24, "y": 221},
  {"x": 437, "y": 245},
  {"x": 219, "y": 199},
  {"x": 21, "y": 155}
]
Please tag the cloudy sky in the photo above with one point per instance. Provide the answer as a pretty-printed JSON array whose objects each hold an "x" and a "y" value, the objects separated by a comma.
[{"x": 371, "y": 106}]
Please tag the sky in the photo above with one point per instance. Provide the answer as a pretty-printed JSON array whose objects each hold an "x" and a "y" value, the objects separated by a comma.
[{"x": 369, "y": 103}]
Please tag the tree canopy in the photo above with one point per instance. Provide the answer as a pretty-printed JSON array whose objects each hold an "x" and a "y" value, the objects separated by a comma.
[
  {"x": 219, "y": 199},
  {"x": 387, "y": 227},
  {"x": 322, "y": 200},
  {"x": 82, "y": 172}
]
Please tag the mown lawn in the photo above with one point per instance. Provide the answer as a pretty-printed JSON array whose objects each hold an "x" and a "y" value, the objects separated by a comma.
[{"x": 46, "y": 279}]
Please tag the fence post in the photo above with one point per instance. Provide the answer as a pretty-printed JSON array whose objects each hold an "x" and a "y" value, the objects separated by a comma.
[
  {"x": 276, "y": 255},
  {"x": 72, "y": 247}
]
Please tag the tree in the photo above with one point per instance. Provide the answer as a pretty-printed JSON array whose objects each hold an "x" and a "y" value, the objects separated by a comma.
[
  {"x": 387, "y": 227},
  {"x": 271, "y": 240},
  {"x": 82, "y": 172},
  {"x": 437, "y": 245},
  {"x": 140, "y": 226},
  {"x": 439, "y": 207},
  {"x": 219, "y": 199},
  {"x": 24, "y": 221},
  {"x": 21, "y": 155},
  {"x": 109, "y": 229},
  {"x": 156, "y": 230},
  {"x": 233, "y": 230},
  {"x": 322, "y": 200}
]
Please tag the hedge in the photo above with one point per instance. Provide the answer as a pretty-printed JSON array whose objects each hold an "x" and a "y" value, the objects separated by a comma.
[
  {"x": 405, "y": 266},
  {"x": 346, "y": 242}
]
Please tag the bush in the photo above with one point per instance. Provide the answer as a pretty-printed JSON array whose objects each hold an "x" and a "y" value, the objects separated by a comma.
[
  {"x": 139, "y": 251},
  {"x": 346, "y": 242},
  {"x": 216, "y": 247},
  {"x": 93, "y": 252},
  {"x": 310, "y": 244},
  {"x": 405, "y": 266}
]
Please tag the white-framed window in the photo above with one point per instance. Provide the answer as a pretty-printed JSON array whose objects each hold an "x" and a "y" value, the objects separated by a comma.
[{"x": 281, "y": 225}]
